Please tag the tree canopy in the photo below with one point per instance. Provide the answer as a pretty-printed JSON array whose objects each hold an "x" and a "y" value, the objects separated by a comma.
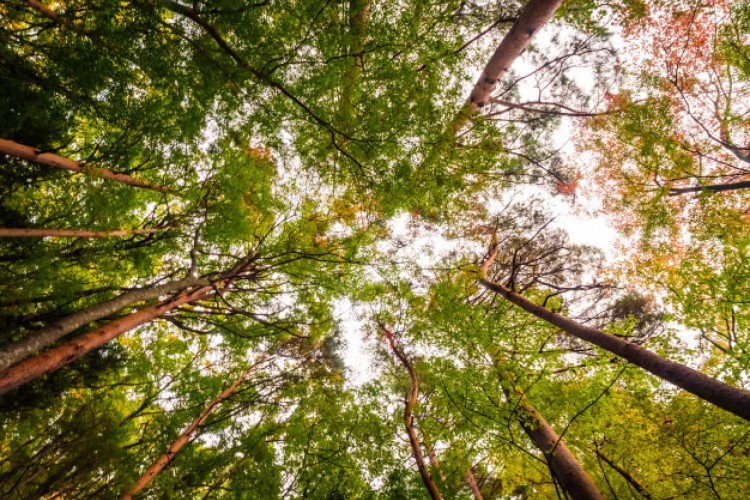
[{"x": 297, "y": 249}]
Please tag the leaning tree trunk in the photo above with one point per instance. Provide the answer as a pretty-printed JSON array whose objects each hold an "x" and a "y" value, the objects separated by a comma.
[
  {"x": 416, "y": 446},
  {"x": 50, "y": 360},
  {"x": 475, "y": 491},
  {"x": 534, "y": 15},
  {"x": 563, "y": 464},
  {"x": 732, "y": 399},
  {"x": 39, "y": 339},
  {"x": 52, "y": 160},
  {"x": 531, "y": 19},
  {"x": 187, "y": 434},
  {"x": 73, "y": 233},
  {"x": 711, "y": 188}
]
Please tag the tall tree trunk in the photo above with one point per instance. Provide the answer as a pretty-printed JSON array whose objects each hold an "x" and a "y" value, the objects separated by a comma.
[
  {"x": 434, "y": 461},
  {"x": 473, "y": 485},
  {"x": 416, "y": 446},
  {"x": 568, "y": 471},
  {"x": 359, "y": 14},
  {"x": 52, "y": 160},
  {"x": 50, "y": 360},
  {"x": 713, "y": 188},
  {"x": 531, "y": 19},
  {"x": 39, "y": 339},
  {"x": 187, "y": 434},
  {"x": 732, "y": 399},
  {"x": 73, "y": 233}
]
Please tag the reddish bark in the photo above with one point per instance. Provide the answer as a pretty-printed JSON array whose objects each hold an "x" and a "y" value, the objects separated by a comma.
[
  {"x": 187, "y": 434},
  {"x": 50, "y": 360},
  {"x": 39, "y": 339},
  {"x": 52, "y": 160},
  {"x": 473, "y": 484},
  {"x": 416, "y": 446}
]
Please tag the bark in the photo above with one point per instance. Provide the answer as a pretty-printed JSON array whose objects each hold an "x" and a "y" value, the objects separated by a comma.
[
  {"x": 714, "y": 188},
  {"x": 416, "y": 446},
  {"x": 187, "y": 434},
  {"x": 39, "y": 7},
  {"x": 732, "y": 399},
  {"x": 36, "y": 340},
  {"x": 473, "y": 484},
  {"x": 531, "y": 19},
  {"x": 73, "y": 233},
  {"x": 359, "y": 14},
  {"x": 11, "y": 148},
  {"x": 625, "y": 475},
  {"x": 571, "y": 475},
  {"x": 435, "y": 462},
  {"x": 50, "y": 360}
]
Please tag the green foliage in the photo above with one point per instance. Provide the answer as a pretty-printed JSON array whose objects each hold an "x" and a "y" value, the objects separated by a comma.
[{"x": 293, "y": 138}]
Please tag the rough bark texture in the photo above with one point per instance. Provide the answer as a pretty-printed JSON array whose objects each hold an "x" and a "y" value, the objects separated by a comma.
[
  {"x": 52, "y": 160},
  {"x": 72, "y": 233},
  {"x": 409, "y": 418},
  {"x": 732, "y": 399},
  {"x": 571, "y": 475},
  {"x": 187, "y": 434},
  {"x": 34, "y": 341},
  {"x": 50, "y": 360},
  {"x": 532, "y": 17}
]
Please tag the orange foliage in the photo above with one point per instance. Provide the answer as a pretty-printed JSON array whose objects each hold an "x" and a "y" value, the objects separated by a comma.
[
  {"x": 260, "y": 153},
  {"x": 564, "y": 187}
]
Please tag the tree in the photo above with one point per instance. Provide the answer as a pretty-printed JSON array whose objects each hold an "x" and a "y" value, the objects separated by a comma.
[
  {"x": 188, "y": 433},
  {"x": 730, "y": 398},
  {"x": 11, "y": 148},
  {"x": 188, "y": 184},
  {"x": 414, "y": 441}
]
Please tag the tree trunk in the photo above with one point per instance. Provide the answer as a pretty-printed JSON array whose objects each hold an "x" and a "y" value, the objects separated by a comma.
[
  {"x": 473, "y": 484},
  {"x": 187, "y": 434},
  {"x": 714, "y": 188},
  {"x": 39, "y": 339},
  {"x": 416, "y": 446},
  {"x": 732, "y": 399},
  {"x": 563, "y": 464},
  {"x": 531, "y": 19},
  {"x": 73, "y": 233},
  {"x": 434, "y": 461},
  {"x": 52, "y": 160},
  {"x": 359, "y": 14},
  {"x": 50, "y": 360}
]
